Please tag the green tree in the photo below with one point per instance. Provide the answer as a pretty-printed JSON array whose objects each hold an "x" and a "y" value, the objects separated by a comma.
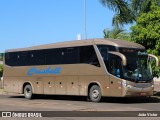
[
  {"x": 147, "y": 32},
  {"x": 142, "y": 6},
  {"x": 116, "y": 33},
  {"x": 1, "y": 56}
]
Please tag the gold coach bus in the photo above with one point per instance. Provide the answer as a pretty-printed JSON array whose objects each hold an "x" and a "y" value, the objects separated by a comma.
[{"x": 93, "y": 68}]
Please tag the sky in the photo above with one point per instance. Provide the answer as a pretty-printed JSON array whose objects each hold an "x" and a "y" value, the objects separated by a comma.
[{"x": 25, "y": 23}]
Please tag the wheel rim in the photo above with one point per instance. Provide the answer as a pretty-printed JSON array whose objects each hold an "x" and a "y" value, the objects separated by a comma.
[
  {"x": 95, "y": 94},
  {"x": 28, "y": 92}
]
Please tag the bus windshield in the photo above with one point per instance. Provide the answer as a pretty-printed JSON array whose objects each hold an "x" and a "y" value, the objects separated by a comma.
[{"x": 138, "y": 67}]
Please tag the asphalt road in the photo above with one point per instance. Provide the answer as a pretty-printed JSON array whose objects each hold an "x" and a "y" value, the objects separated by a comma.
[{"x": 59, "y": 104}]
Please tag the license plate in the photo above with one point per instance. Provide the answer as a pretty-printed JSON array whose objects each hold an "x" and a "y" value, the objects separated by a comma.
[{"x": 143, "y": 94}]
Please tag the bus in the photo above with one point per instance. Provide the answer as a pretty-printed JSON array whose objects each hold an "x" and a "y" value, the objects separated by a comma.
[{"x": 94, "y": 68}]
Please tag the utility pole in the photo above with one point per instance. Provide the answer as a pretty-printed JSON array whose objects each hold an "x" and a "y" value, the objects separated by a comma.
[{"x": 85, "y": 32}]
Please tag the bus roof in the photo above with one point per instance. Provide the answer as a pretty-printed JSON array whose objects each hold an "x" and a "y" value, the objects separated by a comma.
[{"x": 108, "y": 41}]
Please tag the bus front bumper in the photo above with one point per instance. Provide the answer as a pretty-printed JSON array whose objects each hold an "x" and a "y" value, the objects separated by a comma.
[{"x": 135, "y": 91}]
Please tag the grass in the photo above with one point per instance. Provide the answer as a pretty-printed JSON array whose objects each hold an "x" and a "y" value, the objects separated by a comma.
[{"x": 1, "y": 90}]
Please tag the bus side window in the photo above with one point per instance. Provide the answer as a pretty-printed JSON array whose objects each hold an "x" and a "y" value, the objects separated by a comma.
[
  {"x": 70, "y": 55},
  {"x": 13, "y": 59},
  {"x": 104, "y": 52},
  {"x": 88, "y": 55},
  {"x": 54, "y": 56},
  {"x": 7, "y": 59},
  {"x": 36, "y": 57},
  {"x": 62, "y": 56}
]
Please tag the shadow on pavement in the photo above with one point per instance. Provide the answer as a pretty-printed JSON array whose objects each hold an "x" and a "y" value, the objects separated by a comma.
[
  {"x": 131, "y": 100},
  {"x": 126, "y": 100}
]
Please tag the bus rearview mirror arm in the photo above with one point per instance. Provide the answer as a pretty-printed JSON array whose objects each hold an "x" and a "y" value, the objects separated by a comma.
[
  {"x": 124, "y": 60},
  {"x": 155, "y": 57}
]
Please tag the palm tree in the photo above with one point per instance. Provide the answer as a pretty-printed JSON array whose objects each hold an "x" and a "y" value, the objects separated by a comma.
[
  {"x": 116, "y": 33},
  {"x": 123, "y": 12},
  {"x": 126, "y": 11}
]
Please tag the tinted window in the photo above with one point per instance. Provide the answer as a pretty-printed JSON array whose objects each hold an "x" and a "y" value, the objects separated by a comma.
[
  {"x": 11, "y": 59},
  {"x": 131, "y": 55},
  {"x": 62, "y": 56},
  {"x": 22, "y": 58},
  {"x": 53, "y": 56},
  {"x": 70, "y": 55},
  {"x": 110, "y": 48},
  {"x": 36, "y": 57},
  {"x": 104, "y": 50},
  {"x": 113, "y": 65},
  {"x": 25, "y": 58},
  {"x": 88, "y": 55}
]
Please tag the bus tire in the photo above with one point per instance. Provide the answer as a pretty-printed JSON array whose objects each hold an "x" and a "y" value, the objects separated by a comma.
[
  {"x": 95, "y": 93},
  {"x": 28, "y": 94}
]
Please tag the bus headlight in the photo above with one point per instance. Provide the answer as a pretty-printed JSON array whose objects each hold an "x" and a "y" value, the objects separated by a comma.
[
  {"x": 129, "y": 86},
  {"x": 152, "y": 86},
  {"x": 124, "y": 83}
]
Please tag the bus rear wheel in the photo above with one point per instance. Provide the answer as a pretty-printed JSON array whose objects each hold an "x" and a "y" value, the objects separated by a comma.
[
  {"x": 95, "y": 93},
  {"x": 28, "y": 94}
]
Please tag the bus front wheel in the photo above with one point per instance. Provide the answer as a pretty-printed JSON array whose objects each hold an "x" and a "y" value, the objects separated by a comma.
[
  {"x": 95, "y": 93},
  {"x": 28, "y": 92}
]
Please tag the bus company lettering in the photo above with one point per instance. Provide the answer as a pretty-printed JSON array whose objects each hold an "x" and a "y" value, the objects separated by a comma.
[{"x": 49, "y": 70}]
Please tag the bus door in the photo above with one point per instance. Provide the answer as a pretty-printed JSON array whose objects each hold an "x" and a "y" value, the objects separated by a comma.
[{"x": 114, "y": 67}]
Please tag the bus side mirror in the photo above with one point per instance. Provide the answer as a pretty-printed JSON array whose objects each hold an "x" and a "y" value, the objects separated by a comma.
[{"x": 155, "y": 58}]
